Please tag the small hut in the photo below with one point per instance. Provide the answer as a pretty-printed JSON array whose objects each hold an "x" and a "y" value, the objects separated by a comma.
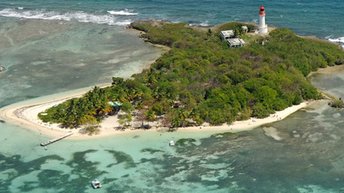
[
  {"x": 244, "y": 29},
  {"x": 116, "y": 106},
  {"x": 227, "y": 34},
  {"x": 235, "y": 42}
]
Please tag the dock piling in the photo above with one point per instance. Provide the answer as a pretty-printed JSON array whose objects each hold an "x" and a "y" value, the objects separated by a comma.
[{"x": 43, "y": 144}]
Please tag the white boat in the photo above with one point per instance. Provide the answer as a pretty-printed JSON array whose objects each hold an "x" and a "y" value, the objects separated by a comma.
[
  {"x": 96, "y": 184},
  {"x": 172, "y": 143}
]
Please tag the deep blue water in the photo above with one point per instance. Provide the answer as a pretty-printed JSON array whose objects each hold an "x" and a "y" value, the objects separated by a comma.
[{"x": 321, "y": 18}]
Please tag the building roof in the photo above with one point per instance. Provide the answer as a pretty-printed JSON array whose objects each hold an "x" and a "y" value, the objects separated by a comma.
[
  {"x": 235, "y": 42},
  {"x": 115, "y": 104},
  {"x": 227, "y": 33}
]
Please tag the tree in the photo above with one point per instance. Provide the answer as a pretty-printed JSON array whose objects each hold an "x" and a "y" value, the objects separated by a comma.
[
  {"x": 260, "y": 111},
  {"x": 117, "y": 81},
  {"x": 210, "y": 32},
  {"x": 151, "y": 116},
  {"x": 125, "y": 119},
  {"x": 127, "y": 107},
  {"x": 211, "y": 82}
]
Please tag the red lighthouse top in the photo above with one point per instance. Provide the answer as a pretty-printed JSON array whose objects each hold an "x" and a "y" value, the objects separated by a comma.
[{"x": 262, "y": 10}]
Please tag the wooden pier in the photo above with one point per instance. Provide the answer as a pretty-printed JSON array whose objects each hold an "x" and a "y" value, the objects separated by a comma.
[{"x": 55, "y": 140}]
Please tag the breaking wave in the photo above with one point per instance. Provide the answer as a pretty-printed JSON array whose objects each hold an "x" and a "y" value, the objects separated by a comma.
[
  {"x": 79, "y": 16},
  {"x": 202, "y": 24},
  {"x": 125, "y": 12},
  {"x": 339, "y": 40}
]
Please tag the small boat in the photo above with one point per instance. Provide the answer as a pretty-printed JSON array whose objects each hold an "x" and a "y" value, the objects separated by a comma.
[
  {"x": 96, "y": 184},
  {"x": 2, "y": 69},
  {"x": 171, "y": 143}
]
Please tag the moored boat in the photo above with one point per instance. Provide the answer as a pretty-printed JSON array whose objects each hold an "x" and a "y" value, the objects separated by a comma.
[
  {"x": 172, "y": 143},
  {"x": 96, "y": 184}
]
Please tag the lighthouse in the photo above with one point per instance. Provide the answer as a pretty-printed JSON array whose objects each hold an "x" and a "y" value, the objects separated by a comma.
[{"x": 263, "y": 28}]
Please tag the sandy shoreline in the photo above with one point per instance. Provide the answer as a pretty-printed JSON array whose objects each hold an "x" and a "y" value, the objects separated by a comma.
[
  {"x": 328, "y": 70},
  {"x": 25, "y": 114},
  {"x": 253, "y": 123}
]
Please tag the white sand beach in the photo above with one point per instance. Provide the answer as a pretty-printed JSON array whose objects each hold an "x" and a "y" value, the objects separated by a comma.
[
  {"x": 252, "y": 123},
  {"x": 25, "y": 114}
]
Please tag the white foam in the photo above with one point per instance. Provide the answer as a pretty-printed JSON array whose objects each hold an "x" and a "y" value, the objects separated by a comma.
[
  {"x": 339, "y": 40},
  {"x": 202, "y": 24},
  {"x": 70, "y": 16},
  {"x": 123, "y": 23},
  {"x": 125, "y": 12}
]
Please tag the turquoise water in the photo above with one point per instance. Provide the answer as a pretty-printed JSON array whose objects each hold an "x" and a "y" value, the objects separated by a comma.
[
  {"x": 307, "y": 159},
  {"x": 44, "y": 57},
  {"x": 54, "y": 46},
  {"x": 308, "y": 17}
]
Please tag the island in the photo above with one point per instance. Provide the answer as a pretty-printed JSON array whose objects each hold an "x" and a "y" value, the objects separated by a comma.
[{"x": 201, "y": 82}]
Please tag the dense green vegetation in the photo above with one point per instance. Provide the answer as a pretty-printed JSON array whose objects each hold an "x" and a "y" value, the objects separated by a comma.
[{"x": 201, "y": 80}]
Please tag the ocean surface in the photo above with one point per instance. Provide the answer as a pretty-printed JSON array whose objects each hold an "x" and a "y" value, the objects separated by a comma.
[{"x": 53, "y": 46}]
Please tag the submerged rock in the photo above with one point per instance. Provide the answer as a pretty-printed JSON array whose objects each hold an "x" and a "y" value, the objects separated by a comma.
[
  {"x": 337, "y": 103},
  {"x": 336, "y": 115},
  {"x": 272, "y": 132}
]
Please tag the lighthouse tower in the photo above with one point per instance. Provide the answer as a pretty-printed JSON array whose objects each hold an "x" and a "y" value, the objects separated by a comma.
[{"x": 263, "y": 28}]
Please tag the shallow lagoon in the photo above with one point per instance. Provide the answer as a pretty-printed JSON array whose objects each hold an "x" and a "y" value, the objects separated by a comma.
[
  {"x": 308, "y": 158},
  {"x": 46, "y": 57}
]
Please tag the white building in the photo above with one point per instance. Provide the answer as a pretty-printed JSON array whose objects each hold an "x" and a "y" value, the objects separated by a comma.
[
  {"x": 227, "y": 34},
  {"x": 263, "y": 28},
  {"x": 235, "y": 42},
  {"x": 244, "y": 29}
]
